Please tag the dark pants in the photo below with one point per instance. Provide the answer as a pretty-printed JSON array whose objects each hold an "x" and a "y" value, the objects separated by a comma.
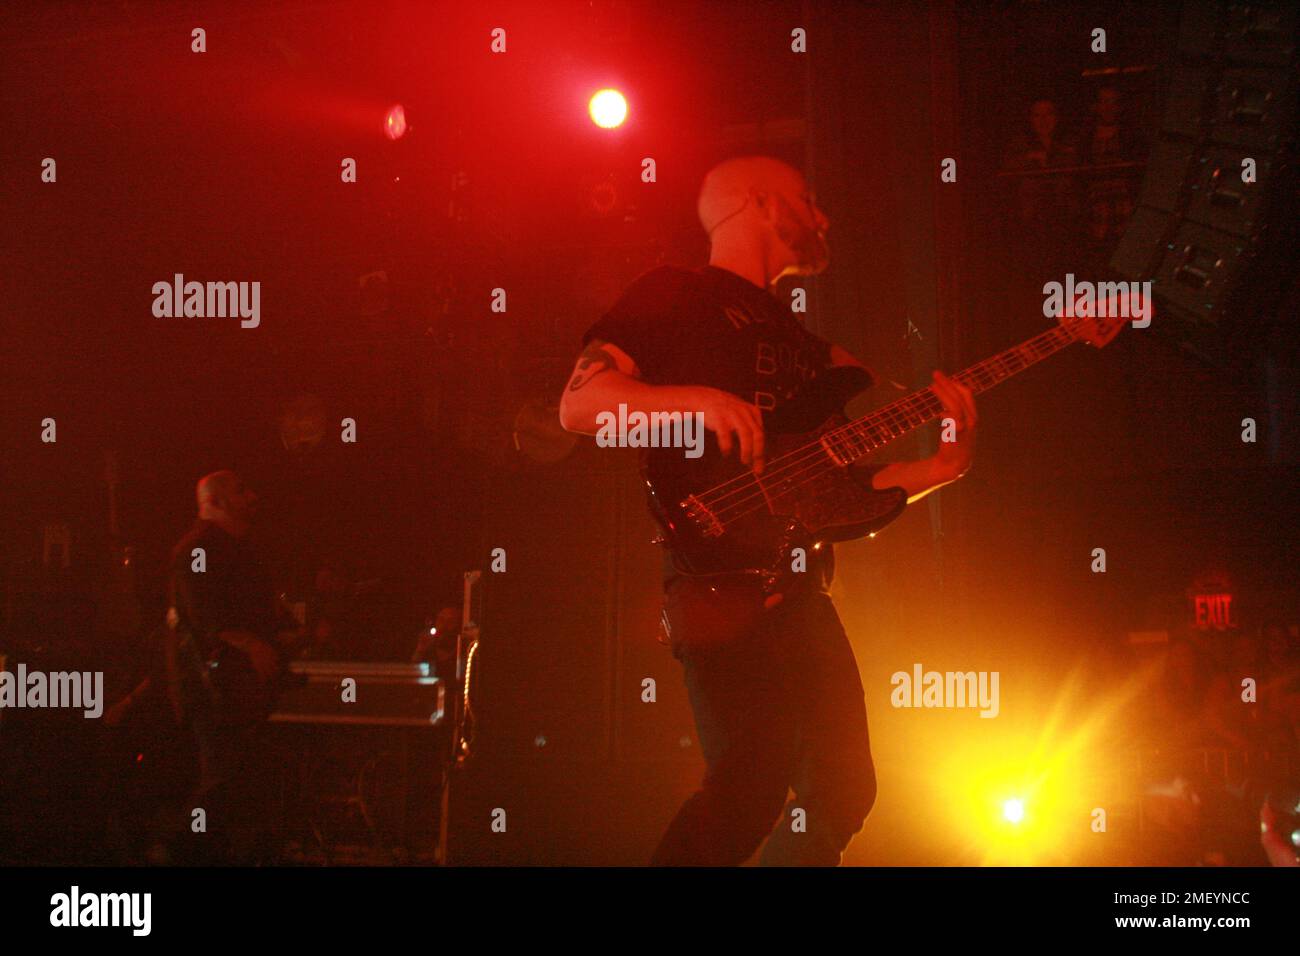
[
  {"x": 780, "y": 708},
  {"x": 237, "y": 778}
]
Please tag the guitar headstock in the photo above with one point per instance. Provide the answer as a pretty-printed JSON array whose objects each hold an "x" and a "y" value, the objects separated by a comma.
[{"x": 1097, "y": 321}]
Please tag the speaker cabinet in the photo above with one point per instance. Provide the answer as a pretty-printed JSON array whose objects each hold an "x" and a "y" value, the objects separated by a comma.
[{"x": 1202, "y": 229}]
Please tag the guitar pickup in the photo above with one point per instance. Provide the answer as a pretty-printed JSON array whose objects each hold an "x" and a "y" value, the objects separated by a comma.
[{"x": 829, "y": 447}]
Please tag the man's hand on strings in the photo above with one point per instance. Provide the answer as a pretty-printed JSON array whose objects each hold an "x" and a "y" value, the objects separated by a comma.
[
  {"x": 738, "y": 424},
  {"x": 954, "y": 457}
]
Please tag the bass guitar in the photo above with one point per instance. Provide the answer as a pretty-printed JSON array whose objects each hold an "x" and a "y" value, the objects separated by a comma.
[{"x": 719, "y": 518}]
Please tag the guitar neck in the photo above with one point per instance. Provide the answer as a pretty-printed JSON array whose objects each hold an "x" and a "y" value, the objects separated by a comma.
[{"x": 873, "y": 431}]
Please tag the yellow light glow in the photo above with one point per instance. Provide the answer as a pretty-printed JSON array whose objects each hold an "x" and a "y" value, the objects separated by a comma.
[
  {"x": 1023, "y": 791},
  {"x": 1013, "y": 811}
]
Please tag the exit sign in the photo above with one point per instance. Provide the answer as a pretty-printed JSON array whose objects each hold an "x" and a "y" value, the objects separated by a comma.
[{"x": 1213, "y": 612}]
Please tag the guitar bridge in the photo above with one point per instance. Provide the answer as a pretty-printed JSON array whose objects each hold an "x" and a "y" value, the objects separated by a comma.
[{"x": 704, "y": 519}]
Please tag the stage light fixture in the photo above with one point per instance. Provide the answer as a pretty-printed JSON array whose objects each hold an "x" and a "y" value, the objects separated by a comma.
[
  {"x": 608, "y": 109},
  {"x": 395, "y": 122}
]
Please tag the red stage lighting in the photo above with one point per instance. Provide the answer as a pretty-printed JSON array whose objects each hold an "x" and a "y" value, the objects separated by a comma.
[
  {"x": 395, "y": 122},
  {"x": 608, "y": 109}
]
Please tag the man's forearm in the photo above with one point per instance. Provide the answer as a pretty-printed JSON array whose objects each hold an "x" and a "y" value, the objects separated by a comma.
[{"x": 605, "y": 392}]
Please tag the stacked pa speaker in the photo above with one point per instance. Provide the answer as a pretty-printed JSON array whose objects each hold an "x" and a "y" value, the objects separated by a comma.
[
  {"x": 585, "y": 743},
  {"x": 1213, "y": 241},
  {"x": 573, "y": 667}
]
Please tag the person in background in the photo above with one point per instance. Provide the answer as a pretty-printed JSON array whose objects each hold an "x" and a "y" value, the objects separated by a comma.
[
  {"x": 234, "y": 634},
  {"x": 437, "y": 643},
  {"x": 1279, "y": 826},
  {"x": 1045, "y": 202},
  {"x": 1108, "y": 199}
]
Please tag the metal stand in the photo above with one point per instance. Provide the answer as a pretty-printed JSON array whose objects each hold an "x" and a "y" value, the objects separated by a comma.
[{"x": 462, "y": 706}]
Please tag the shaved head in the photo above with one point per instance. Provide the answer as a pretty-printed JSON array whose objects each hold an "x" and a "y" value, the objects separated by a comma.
[
  {"x": 225, "y": 500},
  {"x": 727, "y": 186},
  {"x": 762, "y": 220},
  {"x": 215, "y": 487}
]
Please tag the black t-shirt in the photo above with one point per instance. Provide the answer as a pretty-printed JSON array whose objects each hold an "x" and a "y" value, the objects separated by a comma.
[
  {"x": 711, "y": 327},
  {"x": 234, "y": 592}
]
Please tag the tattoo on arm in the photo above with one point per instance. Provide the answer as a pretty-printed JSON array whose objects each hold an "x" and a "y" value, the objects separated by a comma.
[{"x": 592, "y": 362}]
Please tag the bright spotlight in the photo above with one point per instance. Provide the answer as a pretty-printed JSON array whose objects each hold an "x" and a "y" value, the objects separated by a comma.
[
  {"x": 608, "y": 109},
  {"x": 395, "y": 122},
  {"x": 1013, "y": 811}
]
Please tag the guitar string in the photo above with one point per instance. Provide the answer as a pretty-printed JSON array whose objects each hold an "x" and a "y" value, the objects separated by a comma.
[
  {"x": 889, "y": 413},
  {"x": 790, "y": 483},
  {"x": 780, "y": 481},
  {"x": 925, "y": 400},
  {"x": 1050, "y": 341},
  {"x": 817, "y": 461},
  {"x": 982, "y": 375},
  {"x": 895, "y": 420},
  {"x": 898, "y": 414}
]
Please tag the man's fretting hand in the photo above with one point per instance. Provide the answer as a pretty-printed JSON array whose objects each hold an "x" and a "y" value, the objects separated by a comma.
[{"x": 954, "y": 457}]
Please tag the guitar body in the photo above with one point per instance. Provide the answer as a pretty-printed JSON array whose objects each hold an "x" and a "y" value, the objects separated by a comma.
[
  {"x": 752, "y": 525},
  {"x": 224, "y": 689},
  {"x": 223, "y": 685}
]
